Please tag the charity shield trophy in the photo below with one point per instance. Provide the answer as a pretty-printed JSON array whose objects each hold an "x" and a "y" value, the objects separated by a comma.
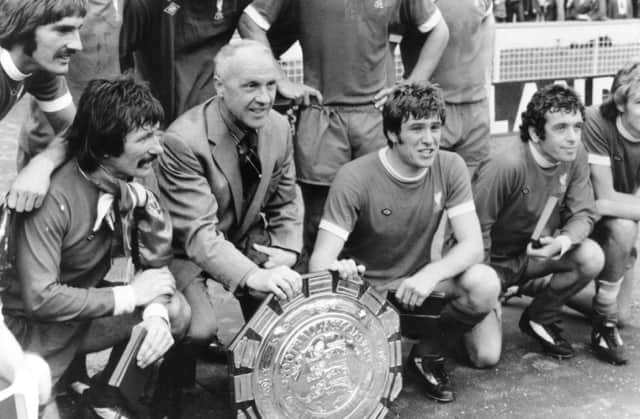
[{"x": 334, "y": 351}]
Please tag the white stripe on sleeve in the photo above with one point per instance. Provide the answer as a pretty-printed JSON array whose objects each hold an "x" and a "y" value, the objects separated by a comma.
[
  {"x": 599, "y": 160},
  {"x": 334, "y": 229},
  {"x": 464, "y": 208},
  {"x": 257, "y": 18},
  {"x": 432, "y": 22}
]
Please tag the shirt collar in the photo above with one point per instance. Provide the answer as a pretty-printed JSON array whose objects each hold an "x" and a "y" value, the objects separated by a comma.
[
  {"x": 10, "y": 67},
  {"x": 624, "y": 132},
  {"x": 231, "y": 122},
  {"x": 109, "y": 188},
  {"x": 539, "y": 158},
  {"x": 394, "y": 173}
]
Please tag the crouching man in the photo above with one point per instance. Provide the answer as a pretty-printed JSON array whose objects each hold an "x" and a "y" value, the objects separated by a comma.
[
  {"x": 96, "y": 211},
  {"x": 228, "y": 177},
  {"x": 382, "y": 212},
  {"x": 612, "y": 139},
  {"x": 541, "y": 181}
]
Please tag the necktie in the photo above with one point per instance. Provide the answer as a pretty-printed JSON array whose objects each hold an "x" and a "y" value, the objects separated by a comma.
[{"x": 250, "y": 168}]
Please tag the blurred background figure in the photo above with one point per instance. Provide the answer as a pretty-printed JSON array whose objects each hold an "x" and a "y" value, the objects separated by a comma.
[{"x": 171, "y": 44}]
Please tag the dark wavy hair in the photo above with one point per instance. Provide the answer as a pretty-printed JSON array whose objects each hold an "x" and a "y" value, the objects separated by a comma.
[
  {"x": 416, "y": 100},
  {"x": 551, "y": 98},
  {"x": 626, "y": 80},
  {"x": 108, "y": 110},
  {"x": 20, "y": 18}
]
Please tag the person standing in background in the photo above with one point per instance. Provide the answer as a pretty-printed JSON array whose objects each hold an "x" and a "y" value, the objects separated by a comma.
[
  {"x": 171, "y": 44},
  {"x": 462, "y": 73}
]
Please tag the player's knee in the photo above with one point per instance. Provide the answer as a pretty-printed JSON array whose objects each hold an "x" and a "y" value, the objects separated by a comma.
[
  {"x": 481, "y": 285},
  {"x": 203, "y": 329},
  {"x": 202, "y": 332},
  {"x": 485, "y": 357},
  {"x": 589, "y": 259},
  {"x": 621, "y": 232},
  {"x": 484, "y": 341},
  {"x": 179, "y": 315}
]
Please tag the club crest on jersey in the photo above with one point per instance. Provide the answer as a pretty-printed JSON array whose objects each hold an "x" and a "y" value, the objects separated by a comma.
[
  {"x": 172, "y": 9},
  {"x": 386, "y": 212},
  {"x": 378, "y": 4},
  {"x": 437, "y": 199}
]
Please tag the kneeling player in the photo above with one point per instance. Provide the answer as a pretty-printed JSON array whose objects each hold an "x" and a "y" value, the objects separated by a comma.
[
  {"x": 541, "y": 181},
  {"x": 612, "y": 139},
  {"x": 95, "y": 212},
  {"x": 382, "y": 212}
]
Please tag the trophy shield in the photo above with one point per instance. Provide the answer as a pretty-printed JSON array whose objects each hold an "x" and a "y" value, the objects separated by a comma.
[{"x": 332, "y": 352}]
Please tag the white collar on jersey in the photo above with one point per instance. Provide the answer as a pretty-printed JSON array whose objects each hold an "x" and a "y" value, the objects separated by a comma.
[
  {"x": 539, "y": 158},
  {"x": 9, "y": 66},
  {"x": 624, "y": 132},
  {"x": 394, "y": 173}
]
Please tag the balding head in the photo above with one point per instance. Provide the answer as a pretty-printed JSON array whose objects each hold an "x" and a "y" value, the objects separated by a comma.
[
  {"x": 240, "y": 49},
  {"x": 246, "y": 76}
]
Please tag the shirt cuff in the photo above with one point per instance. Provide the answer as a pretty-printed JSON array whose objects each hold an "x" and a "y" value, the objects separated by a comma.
[
  {"x": 156, "y": 309},
  {"x": 565, "y": 244},
  {"x": 125, "y": 300}
]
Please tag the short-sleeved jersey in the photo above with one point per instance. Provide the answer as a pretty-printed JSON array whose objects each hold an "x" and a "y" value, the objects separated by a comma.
[
  {"x": 49, "y": 90},
  {"x": 511, "y": 190},
  {"x": 345, "y": 44},
  {"x": 388, "y": 224},
  {"x": 608, "y": 147},
  {"x": 461, "y": 71}
]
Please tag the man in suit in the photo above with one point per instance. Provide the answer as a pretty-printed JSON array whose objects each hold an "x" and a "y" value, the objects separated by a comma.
[{"x": 228, "y": 179}]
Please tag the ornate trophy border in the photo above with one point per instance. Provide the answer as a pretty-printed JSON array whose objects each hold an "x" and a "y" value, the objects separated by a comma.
[{"x": 246, "y": 348}]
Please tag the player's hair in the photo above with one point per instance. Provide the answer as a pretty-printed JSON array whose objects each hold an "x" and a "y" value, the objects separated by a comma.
[
  {"x": 20, "y": 18},
  {"x": 626, "y": 81},
  {"x": 222, "y": 60},
  {"x": 551, "y": 98},
  {"x": 108, "y": 110},
  {"x": 414, "y": 100}
]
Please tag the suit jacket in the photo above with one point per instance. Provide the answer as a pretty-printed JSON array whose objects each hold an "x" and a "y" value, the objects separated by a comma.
[{"x": 200, "y": 182}]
